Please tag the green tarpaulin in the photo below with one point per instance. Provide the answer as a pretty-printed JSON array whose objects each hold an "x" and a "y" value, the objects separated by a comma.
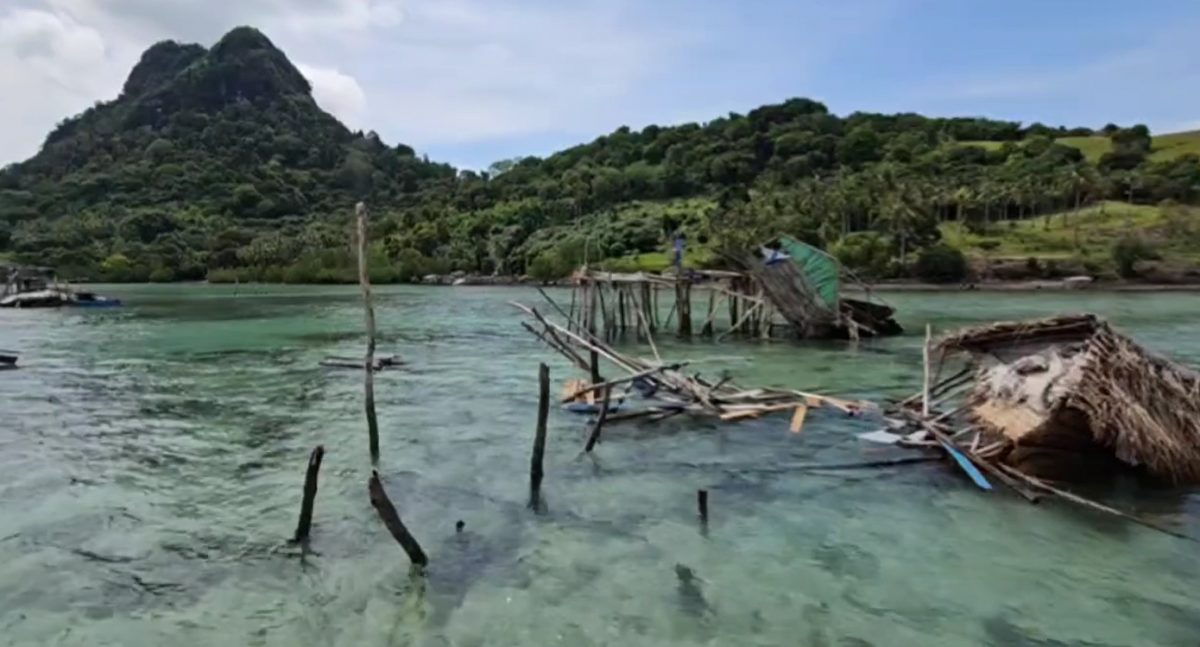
[{"x": 819, "y": 269}]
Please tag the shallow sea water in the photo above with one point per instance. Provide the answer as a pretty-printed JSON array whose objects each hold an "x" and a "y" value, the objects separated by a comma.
[{"x": 151, "y": 462}]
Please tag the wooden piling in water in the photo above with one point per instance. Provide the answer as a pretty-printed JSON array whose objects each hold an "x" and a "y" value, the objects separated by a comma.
[
  {"x": 702, "y": 504},
  {"x": 707, "y": 329},
  {"x": 536, "y": 472},
  {"x": 391, "y": 520},
  {"x": 310, "y": 494},
  {"x": 683, "y": 304},
  {"x": 364, "y": 281}
]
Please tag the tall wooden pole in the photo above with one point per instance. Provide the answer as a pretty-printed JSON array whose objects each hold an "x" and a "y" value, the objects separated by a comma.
[
  {"x": 364, "y": 280},
  {"x": 925, "y": 382}
]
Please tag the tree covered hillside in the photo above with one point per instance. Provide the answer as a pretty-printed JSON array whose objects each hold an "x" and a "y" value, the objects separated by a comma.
[{"x": 218, "y": 163}]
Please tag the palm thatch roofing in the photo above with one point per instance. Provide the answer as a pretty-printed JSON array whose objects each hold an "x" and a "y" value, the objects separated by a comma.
[{"x": 1073, "y": 377}]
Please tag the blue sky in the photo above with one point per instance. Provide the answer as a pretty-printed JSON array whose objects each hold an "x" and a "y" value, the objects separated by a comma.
[{"x": 473, "y": 81}]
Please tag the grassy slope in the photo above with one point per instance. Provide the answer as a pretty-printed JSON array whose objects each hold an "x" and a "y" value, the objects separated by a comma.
[
  {"x": 1164, "y": 147},
  {"x": 1084, "y": 236},
  {"x": 1073, "y": 238}
]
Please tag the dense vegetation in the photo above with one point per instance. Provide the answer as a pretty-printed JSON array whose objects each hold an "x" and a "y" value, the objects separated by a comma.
[{"x": 218, "y": 163}]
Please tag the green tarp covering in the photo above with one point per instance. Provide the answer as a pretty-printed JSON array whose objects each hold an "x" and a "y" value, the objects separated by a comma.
[{"x": 819, "y": 269}]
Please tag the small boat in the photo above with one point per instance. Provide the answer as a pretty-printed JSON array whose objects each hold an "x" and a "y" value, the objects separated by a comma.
[
  {"x": 36, "y": 287},
  {"x": 8, "y": 359}
]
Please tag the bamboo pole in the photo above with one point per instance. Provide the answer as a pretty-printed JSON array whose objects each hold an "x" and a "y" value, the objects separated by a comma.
[
  {"x": 364, "y": 280},
  {"x": 391, "y": 519},
  {"x": 594, "y": 436},
  {"x": 1088, "y": 503},
  {"x": 621, "y": 309},
  {"x": 628, "y": 378},
  {"x": 925, "y": 363},
  {"x": 539, "y": 437},
  {"x": 310, "y": 494},
  {"x": 650, "y": 337},
  {"x": 683, "y": 298},
  {"x": 707, "y": 329}
]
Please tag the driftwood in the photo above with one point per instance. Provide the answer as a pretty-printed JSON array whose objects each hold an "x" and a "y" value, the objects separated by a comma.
[
  {"x": 391, "y": 519},
  {"x": 357, "y": 364},
  {"x": 364, "y": 280},
  {"x": 310, "y": 494},
  {"x": 594, "y": 436}
]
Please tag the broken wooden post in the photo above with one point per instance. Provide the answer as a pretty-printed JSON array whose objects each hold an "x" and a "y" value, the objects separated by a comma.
[
  {"x": 310, "y": 494},
  {"x": 594, "y": 436},
  {"x": 539, "y": 437},
  {"x": 391, "y": 519},
  {"x": 364, "y": 280},
  {"x": 702, "y": 504},
  {"x": 925, "y": 360}
]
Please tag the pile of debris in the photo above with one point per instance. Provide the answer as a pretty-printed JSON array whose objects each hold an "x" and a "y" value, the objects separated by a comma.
[
  {"x": 665, "y": 390},
  {"x": 1035, "y": 401}
]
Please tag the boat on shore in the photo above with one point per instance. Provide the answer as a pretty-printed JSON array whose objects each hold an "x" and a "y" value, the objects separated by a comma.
[{"x": 37, "y": 287}]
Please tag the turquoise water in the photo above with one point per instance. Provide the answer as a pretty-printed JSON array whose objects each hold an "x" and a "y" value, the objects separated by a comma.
[{"x": 151, "y": 462}]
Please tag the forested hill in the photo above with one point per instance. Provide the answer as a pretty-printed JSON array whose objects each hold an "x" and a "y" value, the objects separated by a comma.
[{"x": 217, "y": 162}]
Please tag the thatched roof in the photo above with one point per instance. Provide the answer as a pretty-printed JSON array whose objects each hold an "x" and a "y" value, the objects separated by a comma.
[
  {"x": 1143, "y": 408},
  {"x": 1061, "y": 328}
]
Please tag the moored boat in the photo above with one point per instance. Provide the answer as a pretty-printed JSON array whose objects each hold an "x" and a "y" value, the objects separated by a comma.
[{"x": 36, "y": 287}]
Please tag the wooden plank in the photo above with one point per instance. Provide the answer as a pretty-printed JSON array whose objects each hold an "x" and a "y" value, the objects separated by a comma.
[{"x": 798, "y": 419}]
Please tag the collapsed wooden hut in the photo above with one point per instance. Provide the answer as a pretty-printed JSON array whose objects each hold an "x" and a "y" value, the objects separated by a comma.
[
  {"x": 792, "y": 290},
  {"x": 805, "y": 285},
  {"x": 1068, "y": 395}
]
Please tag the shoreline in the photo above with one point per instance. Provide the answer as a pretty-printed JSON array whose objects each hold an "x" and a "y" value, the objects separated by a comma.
[{"x": 894, "y": 287}]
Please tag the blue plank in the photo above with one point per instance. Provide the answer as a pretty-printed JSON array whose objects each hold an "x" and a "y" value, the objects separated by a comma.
[{"x": 968, "y": 467}]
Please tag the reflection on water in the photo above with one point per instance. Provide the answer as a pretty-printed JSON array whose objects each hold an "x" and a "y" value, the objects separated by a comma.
[{"x": 152, "y": 462}]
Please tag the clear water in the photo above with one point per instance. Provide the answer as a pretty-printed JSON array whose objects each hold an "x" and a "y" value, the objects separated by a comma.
[{"x": 151, "y": 461}]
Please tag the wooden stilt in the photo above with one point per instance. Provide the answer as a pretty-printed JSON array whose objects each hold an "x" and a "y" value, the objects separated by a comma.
[
  {"x": 925, "y": 362},
  {"x": 310, "y": 494},
  {"x": 364, "y": 281},
  {"x": 621, "y": 309},
  {"x": 707, "y": 329},
  {"x": 683, "y": 296},
  {"x": 539, "y": 436}
]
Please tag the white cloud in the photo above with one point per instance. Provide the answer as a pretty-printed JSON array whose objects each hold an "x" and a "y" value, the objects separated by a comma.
[
  {"x": 337, "y": 93},
  {"x": 50, "y": 67}
]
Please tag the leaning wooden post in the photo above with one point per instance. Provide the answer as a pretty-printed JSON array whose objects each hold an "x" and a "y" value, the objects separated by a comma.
[
  {"x": 310, "y": 493},
  {"x": 391, "y": 519},
  {"x": 595, "y": 435},
  {"x": 364, "y": 280},
  {"x": 925, "y": 382},
  {"x": 539, "y": 437}
]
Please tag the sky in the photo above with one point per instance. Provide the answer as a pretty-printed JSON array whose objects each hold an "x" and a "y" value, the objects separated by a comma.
[{"x": 471, "y": 82}]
